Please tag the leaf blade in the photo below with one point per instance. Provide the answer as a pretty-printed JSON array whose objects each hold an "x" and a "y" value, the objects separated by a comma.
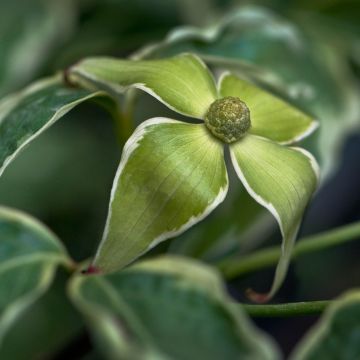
[
  {"x": 187, "y": 293},
  {"x": 336, "y": 335},
  {"x": 29, "y": 255},
  {"x": 164, "y": 164},
  {"x": 25, "y": 115},
  {"x": 282, "y": 180},
  {"x": 271, "y": 117},
  {"x": 183, "y": 83}
]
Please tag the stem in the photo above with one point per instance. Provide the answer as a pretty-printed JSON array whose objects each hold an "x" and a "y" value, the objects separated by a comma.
[
  {"x": 131, "y": 98},
  {"x": 237, "y": 266},
  {"x": 123, "y": 122},
  {"x": 287, "y": 310}
]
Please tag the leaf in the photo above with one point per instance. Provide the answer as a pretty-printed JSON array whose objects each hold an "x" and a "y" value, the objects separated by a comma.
[
  {"x": 183, "y": 83},
  {"x": 271, "y": 117},
  {"x": 336, "y": 335},
  {"x": 167, "y": 308},
  {"x": 33, "y": 27},
  {"x": 278, "y": 54},
  {"x": 48, "y": 325},
  {"x": 225, "y": 231},
  {"x": 25, "y": 115},
  {"x": 172, "y": 174},
  {"x": 282, "y": 180},
  {"x": 29, "y": 255}
]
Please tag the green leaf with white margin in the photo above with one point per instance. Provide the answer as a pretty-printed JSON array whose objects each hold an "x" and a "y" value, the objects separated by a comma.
[
  {"x": 337, "y": 335},
  {"x": 183, "y": 83},
  {"x": 25, "y": 115},
  {"x": 271, "y": 117},
  {"x": 29, "y": 256},
  {"x": 157, "y": 308},
  {"x": 172, "y": 174},
  {"x": 282, "y": 179}
]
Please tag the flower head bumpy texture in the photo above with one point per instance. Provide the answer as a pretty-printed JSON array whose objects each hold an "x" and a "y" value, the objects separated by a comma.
[{"x": 228, "y": 119}]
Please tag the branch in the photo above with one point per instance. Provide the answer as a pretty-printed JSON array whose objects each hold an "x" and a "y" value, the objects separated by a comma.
[
  {"x": 238, "y": 266},
  {"x": 286, "y": 310}
]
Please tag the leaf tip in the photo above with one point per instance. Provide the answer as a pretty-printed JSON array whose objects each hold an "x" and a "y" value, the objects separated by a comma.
[
  {"x": 91, "y": 270},
  {"x": 259, "y": 298}
]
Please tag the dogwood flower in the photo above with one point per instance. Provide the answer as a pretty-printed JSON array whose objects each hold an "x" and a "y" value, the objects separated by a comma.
[{"x": 172, "y": 173}]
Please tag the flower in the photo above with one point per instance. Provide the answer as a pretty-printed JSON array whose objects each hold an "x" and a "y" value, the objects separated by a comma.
[{"x": 173, "y": 174}]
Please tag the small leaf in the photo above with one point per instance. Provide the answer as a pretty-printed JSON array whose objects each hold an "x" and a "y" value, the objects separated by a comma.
[
  {"x": 25, "y": 115},
  {"x": 168, "y": 308},
  {"x": 183, "y": 83},
  {"x": 271, "y": 117},
  {"x": 282, "y": 180},
  {"x": 29, "y": 255},
  {"x": 172, "y": 174},
  {"x": 337, "y": 335}
]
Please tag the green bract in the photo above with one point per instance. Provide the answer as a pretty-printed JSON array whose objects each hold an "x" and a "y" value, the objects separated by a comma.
[
  {"x": 303, "y": 69},
  {"x": 172, "y": 174}
]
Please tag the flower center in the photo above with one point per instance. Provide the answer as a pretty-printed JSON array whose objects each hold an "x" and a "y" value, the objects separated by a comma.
[{"x": 228, "y": 119}]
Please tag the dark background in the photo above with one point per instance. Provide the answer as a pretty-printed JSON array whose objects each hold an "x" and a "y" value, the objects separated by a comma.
[{"x": 64, "y": 178}]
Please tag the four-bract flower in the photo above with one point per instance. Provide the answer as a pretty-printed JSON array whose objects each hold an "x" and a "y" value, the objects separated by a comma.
[{"x": 172, "y": 173}]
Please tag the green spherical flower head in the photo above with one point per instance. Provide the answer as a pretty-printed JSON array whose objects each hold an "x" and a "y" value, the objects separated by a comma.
[{"x": 228, "y": 119}]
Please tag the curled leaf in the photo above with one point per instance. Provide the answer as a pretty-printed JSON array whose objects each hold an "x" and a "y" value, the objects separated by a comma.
[{"x": 282, "y": 180}]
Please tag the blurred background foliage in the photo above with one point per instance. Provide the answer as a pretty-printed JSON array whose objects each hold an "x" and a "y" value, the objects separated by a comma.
[{"x": 306, "y": 51}]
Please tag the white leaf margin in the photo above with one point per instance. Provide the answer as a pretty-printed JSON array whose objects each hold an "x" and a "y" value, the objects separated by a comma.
[
  {"x": 77, "y": 76},
  {"x": 314, "y": 124},
  {"x": 10, "y": 102},
  {"x": 14, "y": 311},
  {"x": 285, "y": 246},
  {"x": 130, "y": 146},
  {"x": 315, "y": 335}
]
